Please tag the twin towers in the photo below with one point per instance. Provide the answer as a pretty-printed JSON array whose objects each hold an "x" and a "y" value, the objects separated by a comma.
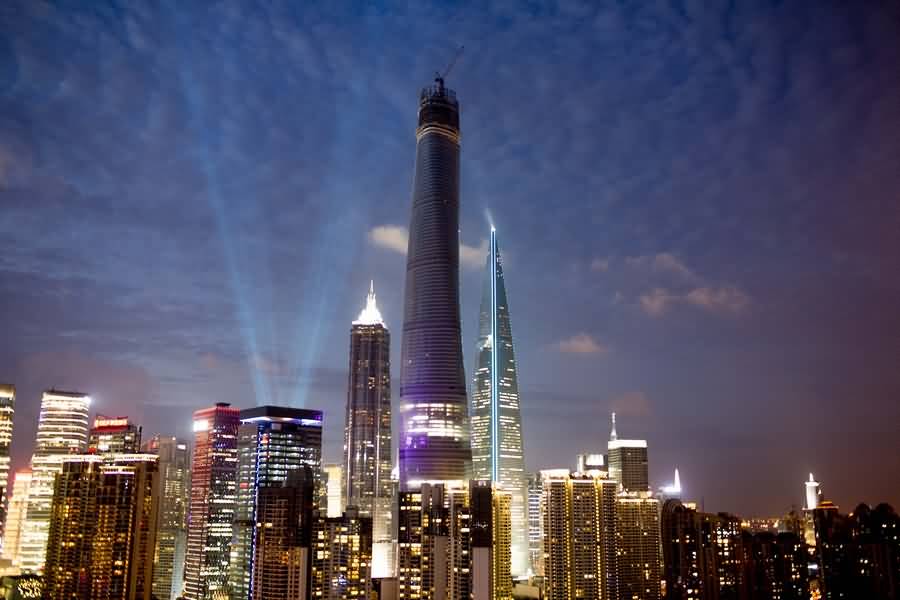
[{"x": 444, "y": 438}]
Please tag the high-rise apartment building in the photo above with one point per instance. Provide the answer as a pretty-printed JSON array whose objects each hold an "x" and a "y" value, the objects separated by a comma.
[
  {"x": 627, "y": 461},
  {"x": 62, "y": 430},
  {"x": 211, "y": 510},
  {"x": 367, "y": 431},
  {"x": 535, "y": 489},
  {"x": 281, "y": 560},
  {"x": 331, "y": 494},
  {"x": 7, "y": 410},
  {"x": 103, "y": 528},
  {"x": 495, "y": 419},
  {"x": 423, "y": 544},
  {"x": 434, "y": 442},
  {"x": 342, "y": 556},
  {"x": 171, "y": 537},
  {"x": 579, "y": 536},
  {"x": 114, "y": 435},
  {"x": 638, "y": 546},
  {"x": 273, "y": 442},
  {"x": 15, "y": 518}
]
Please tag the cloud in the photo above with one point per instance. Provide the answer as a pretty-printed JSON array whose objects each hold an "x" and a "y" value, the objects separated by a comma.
[
  {"x": 662, "y": 262},
  {"x": 396, "y": 239},
  {"x": 600, "y": 265},
  {"x": 722, "y": 299},
  {"x": 391, "y": 237},
  {"x": 725, "y": 299},
  {"x": 631, "y": 404},
  {"x": 582, "y": 343}
]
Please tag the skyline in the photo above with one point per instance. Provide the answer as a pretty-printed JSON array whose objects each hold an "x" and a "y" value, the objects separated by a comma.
[{"x": 756, "y": 317}]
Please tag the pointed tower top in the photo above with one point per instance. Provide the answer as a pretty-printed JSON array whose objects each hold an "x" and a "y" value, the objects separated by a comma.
[
  {"x": 613, "y": 436},
  {"x": 370, "y": 315},
  {"x": 677, "y": 484},
  {"x": 811, "y": 478}
]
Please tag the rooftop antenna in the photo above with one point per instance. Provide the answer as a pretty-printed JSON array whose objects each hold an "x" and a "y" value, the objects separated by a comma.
[{"x": 439, "y": 77}]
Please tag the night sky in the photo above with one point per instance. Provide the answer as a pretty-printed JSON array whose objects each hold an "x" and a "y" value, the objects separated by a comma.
[{"x": 697, "y": 209}]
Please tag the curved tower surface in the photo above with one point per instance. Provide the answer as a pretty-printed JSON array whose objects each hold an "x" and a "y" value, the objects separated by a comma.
[
  {"x": 434, "y": 446},
  {"x": 496, "y": 422}
]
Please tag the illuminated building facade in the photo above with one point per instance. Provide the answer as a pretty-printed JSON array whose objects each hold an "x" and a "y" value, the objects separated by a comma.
[
  {"x": 114, "y": 435},
  {"x": 62, "y": 430},
  {"x": 434, "y": 442},
  {"x": 103, "y": 528},
  {"x": 273, "y": 441},
  {"x": 627, "y": 462},
  {"x": 495, "y": 419},
  {"x": 331, "y": 496},
  {"x": 171, "y": 536},
  {"x": 15, "y": 518},
  {"x": 342, "y": 557},
  {"x": 7, "y": 410},
  {"x": 535, "y": 489},
  {"x": 579, "y": 536},
  {"x": 281, "y": 560},
  {"x": 638, "y": 546},
  {"x": 423, "y": 544},
  {"x": 211, "y": 510}
]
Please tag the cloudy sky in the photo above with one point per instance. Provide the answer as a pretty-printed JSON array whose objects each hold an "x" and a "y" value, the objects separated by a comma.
[{"x": 697, "y": 207}]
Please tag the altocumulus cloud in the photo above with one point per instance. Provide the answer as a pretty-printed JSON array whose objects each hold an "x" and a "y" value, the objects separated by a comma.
[
  {"x": 396, "y": 238},
  {"x": 582, "y": 343}
]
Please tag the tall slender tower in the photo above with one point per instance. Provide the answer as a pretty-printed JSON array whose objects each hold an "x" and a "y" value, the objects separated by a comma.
[
  {"x": 7, "y": 409},
  {"x": 212, "y": 504},
  {"x": 62, "y": 430},
  {"x": 434, "y": 441},
  {"x": 496, "y": 423}
]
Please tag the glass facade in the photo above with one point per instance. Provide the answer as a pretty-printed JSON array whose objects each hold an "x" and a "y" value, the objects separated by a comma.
[{"x": 7, "y": 410}]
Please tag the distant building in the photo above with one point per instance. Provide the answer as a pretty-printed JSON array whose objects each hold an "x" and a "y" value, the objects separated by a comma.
[
  {"x": 331, "y": 495},
  {"x": 775, "y": 566},
  {"x": 342, "y": 556},
  {"x": 7, "y": 410},
  {"x": 114, "y": 435},
  {"x": 171, "y": 537},
  {"x": 628, "y": 462},
  {"x": 15, "y": 519},
  {"x": 579, "y": 536},
  {"x": 494, "y": 415},
  {"x": 62, "y": 430},
  {"x": 638, "y": 565},
  {"x": 535, "y": 488},
  {"x": 273, "y": 442},
  {"x": 211, "y": 512},
  {"x": 683, "y": 556},
  {"x": 103, "y": 528}
]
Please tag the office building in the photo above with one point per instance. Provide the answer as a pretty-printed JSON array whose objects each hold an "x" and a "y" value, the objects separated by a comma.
[
  {"x": 273, "y": 442},
  {"x": 15, "y": 518},
  {"x": 284, "y": 516},
  {"x": 434, "y": 441},
  {"x": 535, "y": 489},
  {"x": 627, "y": 462},
  {"x": 638, "y": 546},
  {"x": 495, "y": 419},
  {"x": 211, "y": 510},
  {"x": 367, "y": 432},
  {"x": 171, "y": 536},
  {"x": 114, "y": 435},
  {"x": 103, "y": 528},
  {"x": 331, "y": 497},
  {"x": 579, "y": 536},
  {"x": 7, "y": 411},
  {"x": 342, "y": 556},
  {"x": 62, "y": 430}
]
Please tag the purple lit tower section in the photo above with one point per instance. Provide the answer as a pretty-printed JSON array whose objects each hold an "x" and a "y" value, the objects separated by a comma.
[{"x": 434, "y": 446}]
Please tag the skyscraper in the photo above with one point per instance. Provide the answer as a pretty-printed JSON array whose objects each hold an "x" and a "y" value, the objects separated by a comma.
[
  {"x": 535, "y": 489},
  {"x": 212, "y": 503},
  {"x": 342, "y": 557},
  {"x": 62, "y": 430},
  {"x": 434, "y": 444},
  {"x": 103, "y": 528},
  {"x": 273, "y": 442},
  {"x": 496, "y": 423},
  {"x": 171, "y": 536},
  {"x": 367, "y": 464},
  {"x": 7, "y": 410},
  {"x": 15, "y": 518},
  {"x": 114, "y": 435},
  {"x": 638, "y": 548},
  {"x": 628, "y": 462}
]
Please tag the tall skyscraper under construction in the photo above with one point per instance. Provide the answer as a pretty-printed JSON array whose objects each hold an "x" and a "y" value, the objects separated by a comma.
[
  {"x": 434, "y": 442},
  {"x": 495, "y": 419}
]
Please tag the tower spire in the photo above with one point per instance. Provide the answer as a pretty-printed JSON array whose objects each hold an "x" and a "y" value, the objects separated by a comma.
[
  {"x": 370, "y": 315},
  {"x": 613, "y": 436}
]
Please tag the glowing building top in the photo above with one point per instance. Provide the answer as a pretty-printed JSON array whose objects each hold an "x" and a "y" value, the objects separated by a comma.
[
  {"x": 370, "y": 315},
  {"x": 812, "y": 493}
]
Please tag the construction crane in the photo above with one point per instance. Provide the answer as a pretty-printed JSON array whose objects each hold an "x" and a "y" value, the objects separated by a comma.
[{"x": 439, "y": 77}]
